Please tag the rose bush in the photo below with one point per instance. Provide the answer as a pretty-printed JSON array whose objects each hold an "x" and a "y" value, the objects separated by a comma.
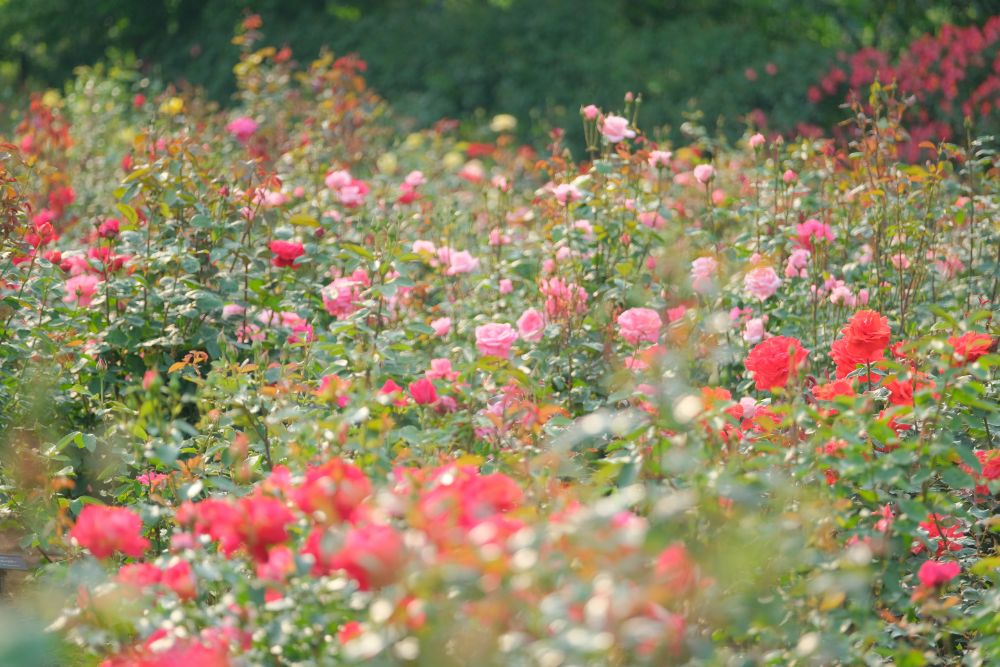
[{"x": 326, "y": 394}]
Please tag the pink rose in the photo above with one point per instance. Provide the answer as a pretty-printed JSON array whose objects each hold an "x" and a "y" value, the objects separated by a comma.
[
  {"x": 531, "y": 325},
  {"x": 702, "y": 272},
  {"x": 659, "y": 158},
  {"x": 754, "y": 330},
  {"x": 757, "y": 140},
  {"x": 457, "y": 261},
  {"x": 762, "y": 282},
  {"x": 639, "y": 324},
  {"x": 703, "y": 173},
  {"x": 81, "y": 289},
  {"x": 566, "y": 193},
  {"x": 652, "y": 219},
  {"x": 506, "y": 286},
  {"x": 495, "y": 339},
  {"x": 615, "y": 128},
  {"x": 590, "y": 112},
  {"x": 934, "y": 573},
  {"x": 242, "y": 128},
  {"x": 441, "y": 326}
]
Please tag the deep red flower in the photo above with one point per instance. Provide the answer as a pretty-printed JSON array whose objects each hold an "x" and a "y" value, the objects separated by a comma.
[
  {"x": 867, "y": 335},
  {"x": 774, "y": 360}
]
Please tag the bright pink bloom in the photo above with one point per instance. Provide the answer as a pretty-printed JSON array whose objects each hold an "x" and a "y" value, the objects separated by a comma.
[
  {"x": 590, "y": 112},
  {"x": 531, "y": 325},
  {"x": 495, "y": 339},
  {"x": 242, "y": 128},
  {"x": 757, "y": 140},
  {"x": 81, "y": 289},
  {"x": 286, "y": 252},
  {"x": 506, "y": 286},
  {"x": 340, "y": 298},
  {"x": 935, "y": 573},
  {"x": 810, "y": 230},
  {"x": 423, "y": 391},
  {"x": 640, "y": 324}
]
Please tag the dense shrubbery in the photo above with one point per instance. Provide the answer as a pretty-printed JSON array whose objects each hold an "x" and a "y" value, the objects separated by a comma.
[
  {"x": 282, "y": 386},
  {"x": 535, "y": 60}
]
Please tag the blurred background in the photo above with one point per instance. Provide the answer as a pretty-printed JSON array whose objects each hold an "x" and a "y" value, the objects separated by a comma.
[{"x": 771, "y": 63}]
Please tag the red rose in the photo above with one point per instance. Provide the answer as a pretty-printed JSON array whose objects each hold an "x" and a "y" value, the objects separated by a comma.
[
  {"x": 969, "y": 347},
  {"x": 772, "y": 361},
  {"x": 847, "y": 362},
  {"x": 105, "y": 530},
  {"x": 867, "y": 335}
]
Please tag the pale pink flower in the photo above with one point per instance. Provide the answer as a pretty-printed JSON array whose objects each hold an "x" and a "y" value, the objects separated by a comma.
[
  {"x": 900, "y": 261},
  {"x": 566, "y": 193},
  {"x": 703, "y": 173},
  {"x": 531, "y": 325},
  {"x": 472, "y": 171},
  {"x": 615, "y": 128},
  {"x": 424, "y": 248},
  {"x": 789, "y": 176},
  {"x": 639, "y": 324},
  {"x": 457, "y": 261},
  {"x": 336, "y": 180},
  {"x": 584, "y": 226},
  {"x": 659, "y": 158},
  {"x": 757, "y": 140},
  {"x": 415, "y": 179},
  {"x": 232, "y": 310},
  {"x": 797, "y": 263},
  {"x": 652, "y": 219},
  {"x": 495, "y": 339},
  {"x": 762, "y": 282},
  {"x": 753, "y": 332},
  {"x": 498, "y": 238},
  {"x": 506, "y": 286},
  {"x": 441, "y": 369},
  {"x": 702, "y": 274},
  {"x": 590, "y": 112},
  {"x": 441, "y": 326}
]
